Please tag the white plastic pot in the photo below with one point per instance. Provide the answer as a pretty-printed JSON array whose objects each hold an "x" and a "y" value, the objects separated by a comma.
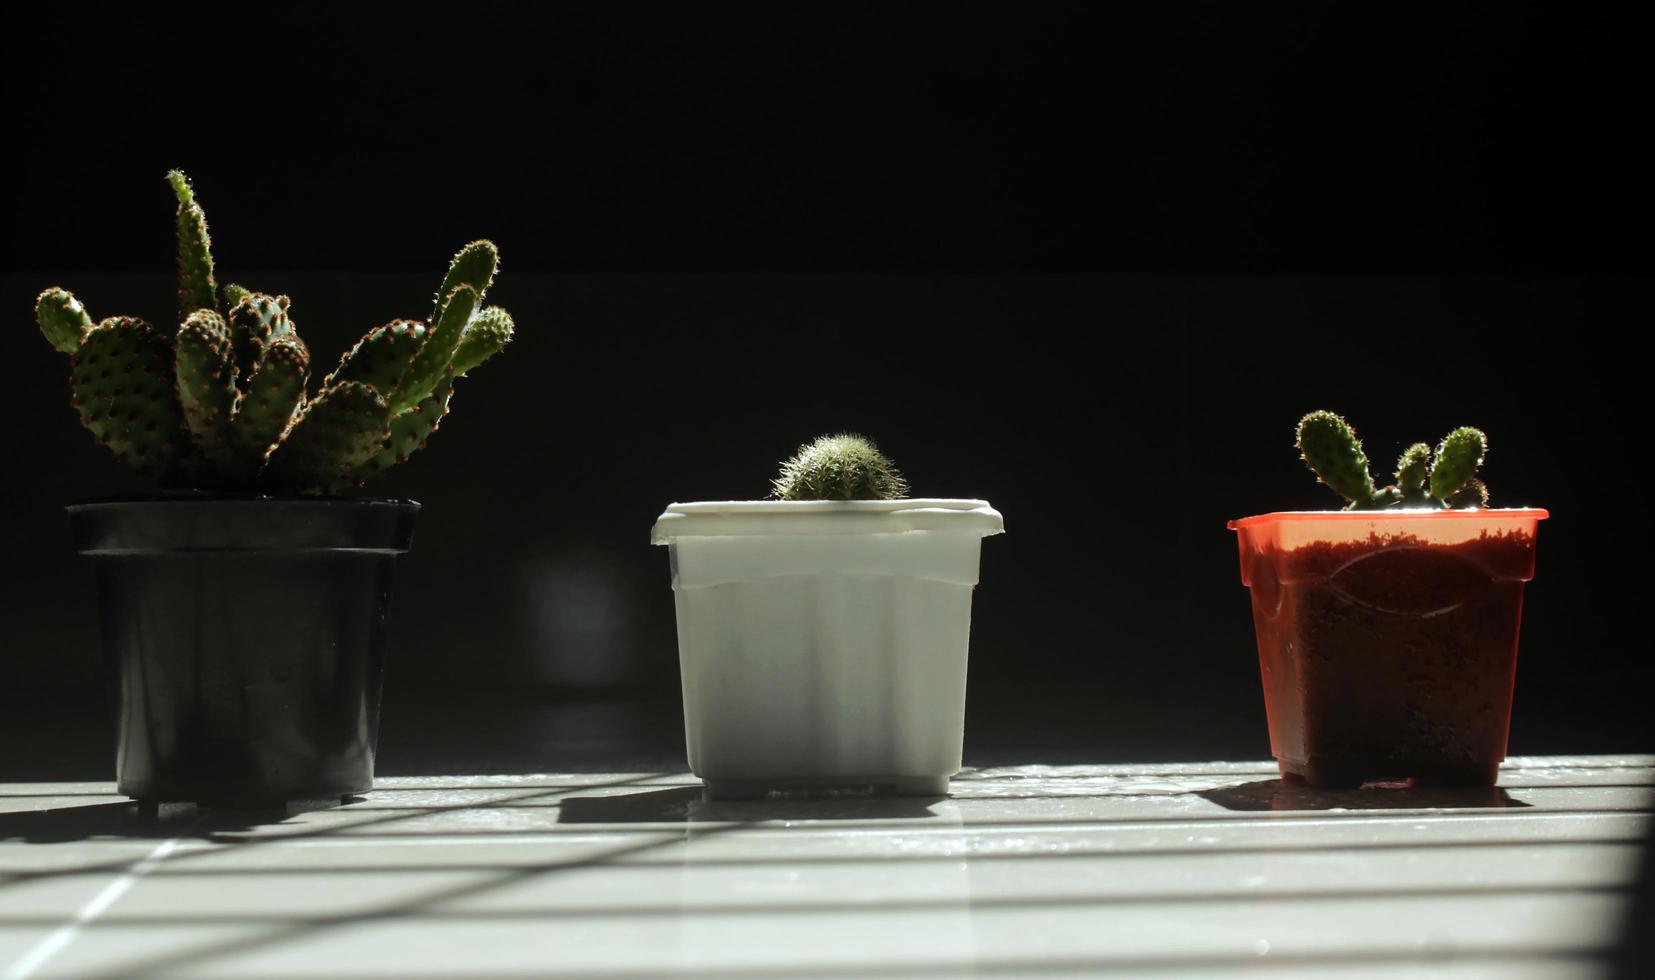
[{"x": 823, "y": 643}]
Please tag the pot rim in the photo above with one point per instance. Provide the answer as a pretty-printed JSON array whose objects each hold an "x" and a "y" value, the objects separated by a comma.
[
  {"x": 241, "y": 523},
  {"x": 196, "y": 497},
  {"x": 1391, "y": 514},
  {"x": 744, "y": 518}
]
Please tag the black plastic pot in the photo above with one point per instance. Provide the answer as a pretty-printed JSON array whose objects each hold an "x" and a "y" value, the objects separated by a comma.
[{"x": 246, "y": 636}]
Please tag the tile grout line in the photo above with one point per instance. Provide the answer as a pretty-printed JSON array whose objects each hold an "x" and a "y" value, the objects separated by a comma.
[{"x": 55, "y": 941}]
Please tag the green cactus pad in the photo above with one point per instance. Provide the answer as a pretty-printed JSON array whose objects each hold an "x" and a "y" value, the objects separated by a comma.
[
  {"x": 431, "y": 362},
  {"x": 205, "y": 376},
  {"x": 381, "y": 357},
  {"x": 1425, "y": 477},
  {"x": 62, "y": 319},
  {"x": 472, "y": 266},
  {"x": 1458, "y": 456},
  {"x": 234, "y": 294},
  {"x": 486, "y": 336},
  {"x": 1328, "y": 445},
  {"x": 840, "y": 467},
  {"x": 122, "y": 381},
  {"x": 255, "y": 321},
  {"x": 325, "y": 446},
  {"x": 410, "y": 429},
  {"x": 196, "y": 289},
  {"x": 1472, "y": 495},
  {"x": 270, "y": 398},
  {"x": 1413, "y": 472}
]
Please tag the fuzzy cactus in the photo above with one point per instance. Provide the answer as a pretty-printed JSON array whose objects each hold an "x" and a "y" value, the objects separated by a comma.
[
  {"x": 840, "y": 467},
  {"x": 222, "y": 401},
  {"x": 1444, "y": 477}
]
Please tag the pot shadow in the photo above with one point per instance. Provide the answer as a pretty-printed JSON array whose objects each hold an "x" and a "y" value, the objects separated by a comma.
[
  {"x": 133, "y": 820},
  {"x": 1274, "y": 794},
  {"x": 689, "y": 804}
]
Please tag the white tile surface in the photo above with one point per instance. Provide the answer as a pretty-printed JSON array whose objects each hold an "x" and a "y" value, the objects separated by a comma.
[{"x": 1196, "y": 870}]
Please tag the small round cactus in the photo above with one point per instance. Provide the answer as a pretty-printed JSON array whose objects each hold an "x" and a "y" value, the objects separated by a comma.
[
  {"x": 1446, "y": 477},
  {"x": 840, "y": 467}
]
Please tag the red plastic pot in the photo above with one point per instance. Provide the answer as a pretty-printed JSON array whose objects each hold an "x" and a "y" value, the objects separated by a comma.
[{"x": 1388, "y": 640}]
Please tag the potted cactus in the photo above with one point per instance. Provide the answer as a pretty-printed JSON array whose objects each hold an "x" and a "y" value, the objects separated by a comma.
[
  {"x": 243, "y": 606},
  {"x": 1387, "y": 631},
  {"x": 822, "y": 634}
]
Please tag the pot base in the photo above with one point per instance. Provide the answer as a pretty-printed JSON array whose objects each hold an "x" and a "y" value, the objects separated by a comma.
[
  {"x": 758, "y": 789},
  {"x": 1350, "y": 772},
  {"x": 151, "y": 806},
  {"x": 246, "y": 638}
]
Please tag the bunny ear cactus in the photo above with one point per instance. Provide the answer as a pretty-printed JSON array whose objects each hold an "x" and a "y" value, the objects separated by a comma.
[
  {"x": 122, "y": 386},
  {"x": 1458, "y": 456},
  {"x": 62, "y": 319},
  {"x": 221, "y": 402},
  {"x": 1328, "y": 445},
  {"x": 196, "y": 288},
  {"x": 1443, "y": 478},
  {"x": 1413, "y": 475},
  {"x": 841, "y": 467}
]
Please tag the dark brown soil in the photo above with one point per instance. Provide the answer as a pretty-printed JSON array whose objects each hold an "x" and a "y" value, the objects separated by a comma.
[{"x": 1391, "y": 658}]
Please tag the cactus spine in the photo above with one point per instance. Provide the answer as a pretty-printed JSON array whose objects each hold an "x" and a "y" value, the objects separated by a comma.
[
  {"x": 840, "y": 467},
  {"x": 1445, "y": 477},
  {"x": 222, "y": 401}
]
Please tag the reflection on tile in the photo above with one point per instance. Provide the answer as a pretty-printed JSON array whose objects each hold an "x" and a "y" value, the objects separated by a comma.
[
  {"x": 49, "y": 899},
  {"x": 108, "y": 950},
  {"x": 1176, "y": 870},
  {"x": 1262, "y": 838},
  {"x": 946, "y": 941}
]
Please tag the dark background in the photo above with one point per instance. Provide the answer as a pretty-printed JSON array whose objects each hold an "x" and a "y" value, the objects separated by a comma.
[{"x": 1090, "y": 265}]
